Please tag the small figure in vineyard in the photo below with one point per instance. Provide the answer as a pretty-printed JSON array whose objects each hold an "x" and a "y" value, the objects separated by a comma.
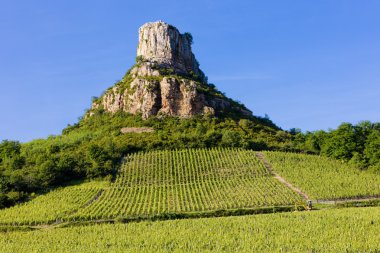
[{"x": 309, "y": 205}]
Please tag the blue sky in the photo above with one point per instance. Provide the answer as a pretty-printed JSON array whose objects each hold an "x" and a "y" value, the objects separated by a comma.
[{"x": 307, "y": 64}]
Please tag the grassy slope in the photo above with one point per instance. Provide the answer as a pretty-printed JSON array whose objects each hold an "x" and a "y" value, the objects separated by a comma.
[
  {"x": 337, "y": 230},
  {"x": 324, "y": 178}
]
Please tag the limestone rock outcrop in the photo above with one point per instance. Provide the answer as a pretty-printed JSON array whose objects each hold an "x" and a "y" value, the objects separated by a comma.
[
  {"x": 166, "y": 46},
  {"x": 166, "y": 80}
]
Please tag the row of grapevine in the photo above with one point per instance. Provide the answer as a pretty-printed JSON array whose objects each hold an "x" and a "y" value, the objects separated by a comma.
[
  {"x": 333, "y": 230},
  {"x": 52, "y": 206},
  {"x": 154, "y": 183},
  {"x": 324, "y": 178},
  {"x": 189, "y": 180}
]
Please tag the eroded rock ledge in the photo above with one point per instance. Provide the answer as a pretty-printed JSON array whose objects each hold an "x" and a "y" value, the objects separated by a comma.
[{"x": 166, "y": 80}]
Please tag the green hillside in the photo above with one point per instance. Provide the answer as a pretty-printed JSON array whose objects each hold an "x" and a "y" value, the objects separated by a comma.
[
  {"x": 338, "y": 230},
  {"x": 196, "y": 183},
  {"x": 162, "y": 183},
  {"x": 324, "y": 178},
  {"x": 95, "y": 146},
  {"x": 192, "y": 183}
]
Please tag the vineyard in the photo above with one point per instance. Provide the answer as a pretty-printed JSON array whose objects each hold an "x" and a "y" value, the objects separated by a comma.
[
  {"x": 191, "y": 180},
  {"x": 199, "y": 181},
  {"x": 333, "y": 230},
  {"x": 159, "y": 183},
  {"x": 53, "y": 206},
  {"x": 324, "y": 178},
  {"x": 195, "y": 182}
]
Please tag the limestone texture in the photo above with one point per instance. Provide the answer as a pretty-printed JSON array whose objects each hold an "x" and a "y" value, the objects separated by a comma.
[{"x": 166, "y": 80}]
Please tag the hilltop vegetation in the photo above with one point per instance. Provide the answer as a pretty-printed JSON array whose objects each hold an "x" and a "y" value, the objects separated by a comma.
[{"x": 338, "y": 230}]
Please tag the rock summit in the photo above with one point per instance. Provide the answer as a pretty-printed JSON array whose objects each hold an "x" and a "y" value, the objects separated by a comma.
[{"x": 166, "y": 80}]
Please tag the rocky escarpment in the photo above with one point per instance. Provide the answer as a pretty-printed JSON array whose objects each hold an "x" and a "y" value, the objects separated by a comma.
[
  {"x": 166, "y": 80},
  {"x": 163, "y": 44}
]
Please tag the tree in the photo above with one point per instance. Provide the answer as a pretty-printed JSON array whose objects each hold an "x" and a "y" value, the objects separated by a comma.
[
  {"x": 341, "y": 143},
  {"x": 10, "y": 158},
  {"x": 372, "y": 148},
  {"x": 9, "y": 148},
  {"x": 4, "y": 201},
  {"x": 231, "y": 139},
  {"x": 101, "y": 161}
]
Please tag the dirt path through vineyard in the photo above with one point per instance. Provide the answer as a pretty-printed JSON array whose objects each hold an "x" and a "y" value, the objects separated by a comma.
[{"x": 279, "y": 178}]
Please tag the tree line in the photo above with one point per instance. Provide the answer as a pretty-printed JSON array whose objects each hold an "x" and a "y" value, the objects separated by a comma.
[{"x": 358, "y": 144}]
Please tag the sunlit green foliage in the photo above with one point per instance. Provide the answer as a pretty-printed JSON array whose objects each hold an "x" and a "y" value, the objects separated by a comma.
[{"x": 358, "y": 144}]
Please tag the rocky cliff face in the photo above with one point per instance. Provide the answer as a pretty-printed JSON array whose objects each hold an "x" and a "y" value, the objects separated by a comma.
[
  {"x": 163, "y": 44},
  {"x": 166, "y": 80}
]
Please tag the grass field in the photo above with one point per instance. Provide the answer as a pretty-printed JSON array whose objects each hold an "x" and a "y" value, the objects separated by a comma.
[
  {"x": 334, "y": 230},
  {"x": 324, "y": 178}
]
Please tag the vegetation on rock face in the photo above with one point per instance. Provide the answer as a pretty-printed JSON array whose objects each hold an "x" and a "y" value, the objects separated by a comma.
[
  {"x": 233, "y": 109},
  {"x": 189, "y": 37},
  {"x": 338, "y": 230}
]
